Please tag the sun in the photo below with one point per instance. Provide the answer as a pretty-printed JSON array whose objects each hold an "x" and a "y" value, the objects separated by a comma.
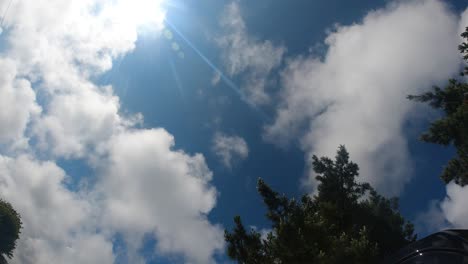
[{"x": 142, "y": 13}]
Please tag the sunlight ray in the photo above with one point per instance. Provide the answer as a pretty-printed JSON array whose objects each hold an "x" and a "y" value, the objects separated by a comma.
[
  {"x": 207, "y": 61},
  {"x": 223, "y": 77}
]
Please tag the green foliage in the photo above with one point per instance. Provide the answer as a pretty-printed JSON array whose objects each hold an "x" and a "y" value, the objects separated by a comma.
[
  {"x": 452, "y": 129},
  {"x": 10, "y": 226},
  {"x": 346, "y": 222},
  {"x": 463, "y": 48}
]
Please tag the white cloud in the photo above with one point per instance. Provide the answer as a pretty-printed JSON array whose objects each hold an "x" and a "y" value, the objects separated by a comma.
[
  {"x": 60, "y": 45},
  {"x": 58, "y": 225},
  {"x": 216, "y": 78},
  {"x": 55, "y": 49},
  {"x": 451, "y": 212},
  {"x": 432, "y": 220},
  {"x": 247, "y": 56},
  {"x": 149, "y": 187},
  {"x": 146, "y": 188},
  {"x": 356, "y": 94},
  {"x": 229, "y": 149},
  {"x": 463, "y": 22},
  {"x": 17, "y": 104},
  {"x": 76, "y": 123},
  {"x": 454, "y": 205}
]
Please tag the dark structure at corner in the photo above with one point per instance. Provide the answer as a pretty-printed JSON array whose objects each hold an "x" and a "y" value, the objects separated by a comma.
[{"x": 449, "y": 246}]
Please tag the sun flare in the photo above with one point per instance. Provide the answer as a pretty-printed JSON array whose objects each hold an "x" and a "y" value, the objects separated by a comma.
[{"x": 142, "y": 13}]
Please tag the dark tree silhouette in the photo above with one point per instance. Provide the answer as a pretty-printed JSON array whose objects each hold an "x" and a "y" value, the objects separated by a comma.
[
  {"x": 452, "y": 128},
  {"x": 346, "y": 222},
  {"x": 10, "y": 227}
]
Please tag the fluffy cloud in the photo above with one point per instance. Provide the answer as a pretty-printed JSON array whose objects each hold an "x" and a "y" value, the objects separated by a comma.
[
  {"x": 451, "y": 212},
  {"x": 356, "y": 94},
  {"x": 58, "y": 224},
  {"x": 150, "y": 188},
  {"x": 454, "y": 206},
  {"x": 59, "y": 45},
  {"x": 145, "y": 187},
  {"x": 229, "y": 148},
  {"x": 463, "y": 21},
  {"x": 86, "y": 33},
  {"x": 17, "y": 104},
  {"x": 76, "y": 123},
  {"x": 247, "y": 56},
  {"x": 51, "y": 107}
]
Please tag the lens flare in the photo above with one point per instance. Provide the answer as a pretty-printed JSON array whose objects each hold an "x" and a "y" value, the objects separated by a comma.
[{"x": 142, "y": 13}]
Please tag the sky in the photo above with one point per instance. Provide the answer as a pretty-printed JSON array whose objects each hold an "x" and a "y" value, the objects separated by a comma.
[{"x": 133, "y": 131}]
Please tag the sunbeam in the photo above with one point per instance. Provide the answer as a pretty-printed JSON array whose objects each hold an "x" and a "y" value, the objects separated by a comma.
[
  {"x": 205, "y": 59},
  {"x": 223, "y": 77}
]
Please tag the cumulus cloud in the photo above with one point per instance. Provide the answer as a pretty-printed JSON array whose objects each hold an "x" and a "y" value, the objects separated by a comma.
[
  {"x": 51, "y": 109},
  {"x": 246, "y": 56},
  {"x": 451, "y": 212},
  {"x": 60, "y": 45},
  {"x": 17, "y": 104},
  {"x": 431, "y": 220},
  {"x": 230, "y": 149},
  {"x": 356, "y": 94},
  {"x": 58, "y": 225},
  {"x": 463, "y": 21},
  {"x": 78, "y": 122},
  {"x": 148, "y": 187},
  {"x": 454, "y": 205}
]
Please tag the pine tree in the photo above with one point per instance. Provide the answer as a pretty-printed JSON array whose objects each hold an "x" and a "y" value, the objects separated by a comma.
[
  {"x": 346, "y": 222},
  {"x": 452, "y": 128},
  {"x": 10, "y": 226}
]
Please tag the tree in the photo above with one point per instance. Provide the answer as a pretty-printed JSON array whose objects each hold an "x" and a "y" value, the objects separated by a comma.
[
  {"x": 10, "y": 226},
  {"x": 452, "y": 128},
  {"x": 346, "y": 222}
]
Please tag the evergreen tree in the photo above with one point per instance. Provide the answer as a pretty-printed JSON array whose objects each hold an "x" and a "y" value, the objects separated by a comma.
[
  {"x": 346, "y": 222},
  {"x": 10, "y": 226},
  {"x": 452, "y": 128}
]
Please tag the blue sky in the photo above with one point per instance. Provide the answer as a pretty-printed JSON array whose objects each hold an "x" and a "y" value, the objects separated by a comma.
[{"x": 135, "y": 130}]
